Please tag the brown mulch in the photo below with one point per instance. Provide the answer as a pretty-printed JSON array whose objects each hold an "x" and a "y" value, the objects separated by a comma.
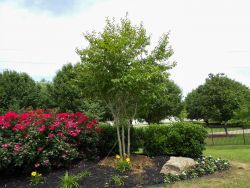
[{"x": 145, "y": 171}]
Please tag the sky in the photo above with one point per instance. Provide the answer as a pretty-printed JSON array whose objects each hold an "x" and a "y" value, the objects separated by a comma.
[{"x": 208, "y": 36}]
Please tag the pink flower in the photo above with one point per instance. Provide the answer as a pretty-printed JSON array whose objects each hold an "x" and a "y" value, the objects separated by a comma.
[
  {"x": 37, "y": 165},
  {"x": 17, "y": 147},
  {"x": 41, "y": 129},
  {"x": 5, "y": 145},
  {"x": 50, "y": 135}
]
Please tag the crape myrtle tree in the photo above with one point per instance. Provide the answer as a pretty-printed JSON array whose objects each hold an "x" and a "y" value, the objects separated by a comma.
[
  {"x": 216, "y": 100},
  {"x": 169, "y": 103},
  {"x": 17, "y": 91},
  {"x": 119, "y": 69}
]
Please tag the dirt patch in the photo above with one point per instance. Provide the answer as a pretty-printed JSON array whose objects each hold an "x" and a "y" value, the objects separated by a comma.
[{"x": 138, "y": 163}]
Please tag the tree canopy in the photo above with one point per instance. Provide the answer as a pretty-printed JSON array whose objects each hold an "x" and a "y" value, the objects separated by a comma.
[
  {"x": 17, "y": 91},
  {"x": 119, "y": 69},
  {"x": 217, "y": 99},
  {"x": 169, "y": 103}
]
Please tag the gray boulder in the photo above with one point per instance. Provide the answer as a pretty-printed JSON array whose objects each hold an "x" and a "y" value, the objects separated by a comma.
[{"x": 176, "y": 165}]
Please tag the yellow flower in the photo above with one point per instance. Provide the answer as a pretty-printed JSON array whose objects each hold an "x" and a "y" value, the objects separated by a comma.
[
  {"x": 117, "y": 156},
  {"x": 33, "y": 173},
  {"x": 38, "y": 174},
  {"x": 128, "y": 159}
]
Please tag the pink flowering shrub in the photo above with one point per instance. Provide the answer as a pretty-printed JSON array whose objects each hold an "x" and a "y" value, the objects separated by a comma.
[{"x": 42, "y": 139}]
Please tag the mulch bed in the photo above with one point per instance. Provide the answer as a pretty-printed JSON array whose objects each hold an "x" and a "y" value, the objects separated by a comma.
[{"x": 145, "y": 171}]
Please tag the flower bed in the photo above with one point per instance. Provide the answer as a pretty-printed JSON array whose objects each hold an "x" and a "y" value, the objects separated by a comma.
[
  {"x": 40, "y": 138},
  {"x": 205, "y": 166}
]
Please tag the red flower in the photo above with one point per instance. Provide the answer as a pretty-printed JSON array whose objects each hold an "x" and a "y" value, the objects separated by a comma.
[
  {"x": 17, "y": 147},
  {"x": 89, "y": 125},
  {"x": 19, "y": 127},
  {"x": 72, "y": 133},
  {"x": 60, "y": 134},
  {"x": 51, "y": 127},
  {"x": 45, "y": 116},
  {"x": 10, "y": 115},
  {"x": 6, "y": 125},
  {"x": 94, "y": 122},
  {"x": 98, "y": 129},
  {"x": 41, "y": 129},
  {"x": 40, "y": 149},
  {"x": 25, "y": 135},
  {"x": 56, "y": 124},
  {"x": 50, "y": 135}
]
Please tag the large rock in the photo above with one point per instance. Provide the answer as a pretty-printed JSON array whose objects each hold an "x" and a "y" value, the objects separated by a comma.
[{"x": 176, "y": 165}]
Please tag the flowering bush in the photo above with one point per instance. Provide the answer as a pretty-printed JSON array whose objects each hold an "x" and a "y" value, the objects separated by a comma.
[
  {"x": 122, "y": 165},
  {"x": 40, "y": 138},
  {"x": 204, "y": 166},
  {"x": 36, "y": 178}
]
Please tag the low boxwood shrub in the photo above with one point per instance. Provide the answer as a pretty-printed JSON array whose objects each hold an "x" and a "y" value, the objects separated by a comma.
[
  {"x": 178, "y": 139},
  {"x": 204, "y": 166},
  {"x": 39, "y": 138}
]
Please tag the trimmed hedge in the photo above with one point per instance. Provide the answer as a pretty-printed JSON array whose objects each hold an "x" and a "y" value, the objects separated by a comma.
[{"x": 178, "y": 139}]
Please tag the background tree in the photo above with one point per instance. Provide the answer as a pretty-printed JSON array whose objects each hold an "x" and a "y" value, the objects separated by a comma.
[
  {"x": 118, "y": 68},
  {"x": 216, "y": 100},
  {"x": 68, "y": 96},
  {"x": 17, "y": 91},
  {"x": 45, "y": 99},
  {"x": 167, "y": 104}
]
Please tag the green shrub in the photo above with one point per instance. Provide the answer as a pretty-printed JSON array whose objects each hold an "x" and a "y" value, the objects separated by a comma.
[
  {"x": 179, "y": 139},
  {"x": 108, "y": 140}
]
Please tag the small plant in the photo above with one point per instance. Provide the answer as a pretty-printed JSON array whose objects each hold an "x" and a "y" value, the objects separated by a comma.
[
  {"x": 68, "y": 181},
  {"x": 114, "y": 181},
  {"x": 71, "y": 181},
  {"x": 36, "y": 178},
  {"x": 123, "y": 165},
  {"x": 83, "y": 174}
]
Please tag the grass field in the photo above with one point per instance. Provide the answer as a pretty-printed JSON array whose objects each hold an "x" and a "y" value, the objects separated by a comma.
[
  {"x": 238, "y": 176},
  {"x": 229, "y": 140}
]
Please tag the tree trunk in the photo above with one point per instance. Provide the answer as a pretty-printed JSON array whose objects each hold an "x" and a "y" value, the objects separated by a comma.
[
  {"x": 226, "y": 131},
  {"x": 119, "y": 138},
  {"x": 123, "y": 140},
  {"x": 128, "y": 148}
]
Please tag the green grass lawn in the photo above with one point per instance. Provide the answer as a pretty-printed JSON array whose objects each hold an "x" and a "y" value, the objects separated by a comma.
[
  {"x": 229, "y": 140},
  {"x": 239, "y": 153},
  {"x": 238, "y": 176}
]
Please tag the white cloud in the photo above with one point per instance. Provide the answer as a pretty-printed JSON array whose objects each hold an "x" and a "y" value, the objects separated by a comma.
[{"x": 207, "y": 36}]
